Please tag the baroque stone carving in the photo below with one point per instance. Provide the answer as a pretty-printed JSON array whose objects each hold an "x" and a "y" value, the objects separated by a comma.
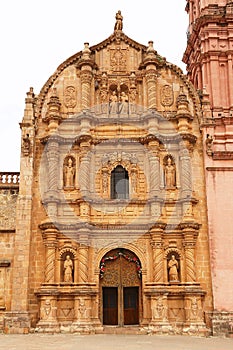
[
  {"x": 118, "y": 59},
  {"x": 26, "y": 145},
  {"x": 173, "y": 269},
  {"x": 70, "y": 99},
  {"x": 68, "y": 269},
  {"x": 209, "y": 144},
  {"x": 170, "y": 173},
  {"x": 166, "y": 95},
  {"x": 119, "y": 21},
  {"x": 69, "y": 173}
]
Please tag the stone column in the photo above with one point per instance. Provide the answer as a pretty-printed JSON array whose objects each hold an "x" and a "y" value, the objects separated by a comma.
[
  {"x": 186, "y": 178},
  {"x": 151, "y": 88},
  {"x": 18, "y": 319},
  {"x": 86, "y": 78},
  {"x": 50, "y": 242},
  {"x": 157, "y": 248},
  {"x": 86, "y": 65},
  {"x": 151, "y": 75},
  {"x": 83, "y": 257},
  {"x": 153, "y": 145},
  {"x": 53, "y": 176},
  {"x": 189, "y": 242}
]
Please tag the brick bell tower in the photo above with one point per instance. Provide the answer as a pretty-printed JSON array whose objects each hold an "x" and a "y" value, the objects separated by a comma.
[{"x": 209, "y": 59}]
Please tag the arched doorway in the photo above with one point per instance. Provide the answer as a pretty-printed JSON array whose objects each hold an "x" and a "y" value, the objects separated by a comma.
[{"x": 120, "y": 288}]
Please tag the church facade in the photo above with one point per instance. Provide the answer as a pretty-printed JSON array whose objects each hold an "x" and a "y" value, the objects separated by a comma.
[{"x": 111, "y": 223}]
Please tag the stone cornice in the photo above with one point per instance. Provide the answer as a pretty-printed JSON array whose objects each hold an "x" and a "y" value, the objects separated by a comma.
[{"x": 223, "y": 155}]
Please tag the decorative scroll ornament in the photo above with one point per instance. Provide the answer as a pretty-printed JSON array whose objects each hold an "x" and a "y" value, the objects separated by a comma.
[
  {"x": 166, "y": 95},
  {"x": 116, "y": 256}
]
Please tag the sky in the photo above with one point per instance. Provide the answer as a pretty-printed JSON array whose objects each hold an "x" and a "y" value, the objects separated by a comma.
[{"x": 37, "y": 36}]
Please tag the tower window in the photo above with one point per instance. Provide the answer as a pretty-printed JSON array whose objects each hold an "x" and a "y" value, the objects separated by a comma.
[{"x": 119, "y": 183}]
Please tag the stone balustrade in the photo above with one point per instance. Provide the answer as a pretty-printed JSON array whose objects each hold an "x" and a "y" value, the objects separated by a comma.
[{"x": 9, "y": 179}]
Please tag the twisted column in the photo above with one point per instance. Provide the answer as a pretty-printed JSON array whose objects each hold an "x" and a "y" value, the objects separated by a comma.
[
  {"x": 154, "y": 175},
  {"x": 53, "y": 157},
  {"x": 157, "y": 247},
  {"x": 50, "y": 241},
  {"x": 153, "y": 144},
  {"x": 86, "y": 77},
  {"x": 186, "y": 179},
  {"x": 190, "y": 233},
  {"x": 83, "y": 263},
  {"x": 190, "y": 261},
  {"x": 151, "y": 88}
]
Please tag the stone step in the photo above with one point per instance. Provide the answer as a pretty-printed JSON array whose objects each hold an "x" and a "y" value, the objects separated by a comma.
[{"x": 124, "y": 330}]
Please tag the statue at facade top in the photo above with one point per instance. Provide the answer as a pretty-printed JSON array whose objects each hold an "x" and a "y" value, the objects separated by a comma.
[{"x": 119, "y": 21}]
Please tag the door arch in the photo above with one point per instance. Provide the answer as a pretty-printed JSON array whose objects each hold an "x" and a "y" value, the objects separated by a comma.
[{"x": 120, "y": 288}]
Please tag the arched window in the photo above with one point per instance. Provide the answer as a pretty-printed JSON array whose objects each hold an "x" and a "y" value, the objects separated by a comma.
[{"x": 119, "y": 183}]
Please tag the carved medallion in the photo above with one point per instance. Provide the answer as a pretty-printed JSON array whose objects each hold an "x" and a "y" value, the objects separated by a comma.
[
  {"x": 70, "y": 98},
  {"x": 166, "y": 95}
]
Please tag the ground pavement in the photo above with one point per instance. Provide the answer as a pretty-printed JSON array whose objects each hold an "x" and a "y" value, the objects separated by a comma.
[{"x": 111, "y": 342}]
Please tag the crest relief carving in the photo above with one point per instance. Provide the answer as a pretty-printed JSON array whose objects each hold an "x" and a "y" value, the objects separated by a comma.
[
  {"x": 70, "y": 96},
  {"x": 166, "y": 95},
  {"x": 118, "y": 59}
]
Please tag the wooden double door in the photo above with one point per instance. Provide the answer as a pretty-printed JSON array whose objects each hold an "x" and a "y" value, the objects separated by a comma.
[
  {"x": 120, "y": 305},
  {"x": 120, "y": 288}
]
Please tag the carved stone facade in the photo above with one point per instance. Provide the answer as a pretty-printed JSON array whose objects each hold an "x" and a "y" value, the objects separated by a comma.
[{"x": 111, "y": 211}]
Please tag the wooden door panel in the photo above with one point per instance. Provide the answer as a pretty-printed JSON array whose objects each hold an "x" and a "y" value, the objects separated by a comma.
[
  {"x": 131, "y": 309},
  {"x": 110, "y": 305}
]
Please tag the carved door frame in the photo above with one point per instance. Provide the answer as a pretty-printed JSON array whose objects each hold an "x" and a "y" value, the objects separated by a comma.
[{"x": 121, "y": 272}]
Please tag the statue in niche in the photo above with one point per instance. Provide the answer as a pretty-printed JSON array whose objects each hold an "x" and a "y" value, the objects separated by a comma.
[
  {"x": 113, "y": 103},
  {"x": 124, "y": 103},
  {"x": 68, "y": 269},
  {"x": 173, "y": 269},
  {"x": 209, "y": 144},
  {"x": 26, "y": 145},
  {"x": 119, "y": 21},
  {"x": 170, "y": 174},
  {"x": 69, "y": 174}
]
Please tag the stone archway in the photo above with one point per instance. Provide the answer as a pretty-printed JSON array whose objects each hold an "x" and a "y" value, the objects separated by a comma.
[{"x": 120, "y": 288}]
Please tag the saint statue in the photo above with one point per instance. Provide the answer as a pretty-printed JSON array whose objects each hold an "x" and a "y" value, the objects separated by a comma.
[
  {"x": 113, "y": 102},
  {"x": 119, "y": 21},
  {"x": 68, "y": 268},
  {"x": 173, "y": 269},
  {"x": 69, "y": 174},
  {"x": 124, "y": 103},
  {"x": 170, "y": 174}
]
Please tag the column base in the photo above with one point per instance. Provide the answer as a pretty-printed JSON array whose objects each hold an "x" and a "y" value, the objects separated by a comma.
[
  {"x": 197, "y": 329},
  {"x": 79, "y": 327},
  {"x": 47, "y": 327},
  {"x": 160, "y": 328}
]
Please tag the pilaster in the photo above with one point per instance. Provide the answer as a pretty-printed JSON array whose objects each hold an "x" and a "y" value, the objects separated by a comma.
[{"x": 18, "y": 319}]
